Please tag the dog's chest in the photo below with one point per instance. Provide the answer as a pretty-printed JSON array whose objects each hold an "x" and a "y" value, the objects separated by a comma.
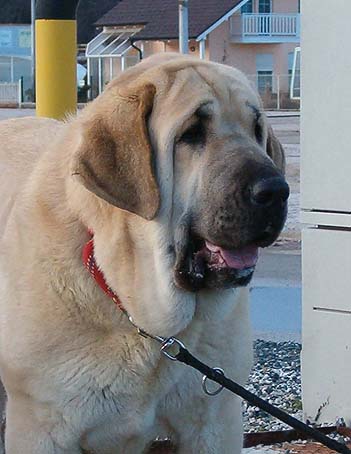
[{"x": 118, "y": 387}]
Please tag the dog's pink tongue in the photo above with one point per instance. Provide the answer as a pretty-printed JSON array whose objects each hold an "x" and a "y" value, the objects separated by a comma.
[{"x": 245, "y": 257}]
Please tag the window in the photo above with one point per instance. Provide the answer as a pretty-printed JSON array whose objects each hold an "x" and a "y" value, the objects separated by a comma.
[
  {"x": 294, "y": 74},
  {"x": 264, "y": 6},
  {"x": 295, "y": 88},
  {"x": 264, "y": 82},
  {"x": 5, "y": 69},
  {"x": 264, "y": 62},
  {"x": 264, "y": 72},
  {"x": 290, "y": 65},
  {"x": 247, "y": 8}
]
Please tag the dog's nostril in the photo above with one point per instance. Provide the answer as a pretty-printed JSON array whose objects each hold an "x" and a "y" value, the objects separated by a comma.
[{"x": 269, "y": 191}]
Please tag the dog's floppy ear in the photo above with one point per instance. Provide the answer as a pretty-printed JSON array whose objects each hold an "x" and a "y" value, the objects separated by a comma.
[
  {"x": 275, "y": 150},
  {"x": 115, "y": 159}
]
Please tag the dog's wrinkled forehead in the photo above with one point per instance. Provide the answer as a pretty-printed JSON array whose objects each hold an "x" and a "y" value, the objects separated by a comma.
[{"x": 224, "y": 93}]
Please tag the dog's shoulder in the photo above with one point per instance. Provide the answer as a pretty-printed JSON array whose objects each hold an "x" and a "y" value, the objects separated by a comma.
[{"x": 22, "y": 142}]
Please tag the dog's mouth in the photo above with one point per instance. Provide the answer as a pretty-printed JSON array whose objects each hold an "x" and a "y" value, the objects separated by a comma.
[
  {"x": 219, "y": 258},
  {"x": 207, "y": 265}
]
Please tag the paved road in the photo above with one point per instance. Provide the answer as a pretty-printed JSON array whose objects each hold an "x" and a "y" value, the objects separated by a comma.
[
  {"x": 278, "y": 269},
  {"x": 287, "y": 129},
  {"x": 14, "y": 113},
  {"x": 276, "y": 302}
]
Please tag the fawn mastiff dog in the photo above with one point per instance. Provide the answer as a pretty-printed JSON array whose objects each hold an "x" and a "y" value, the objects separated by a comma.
[{"x": 174, "y": 179}]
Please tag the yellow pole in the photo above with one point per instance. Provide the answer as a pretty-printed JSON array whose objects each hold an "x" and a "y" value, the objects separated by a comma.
[{"x": 56, "y": 64}]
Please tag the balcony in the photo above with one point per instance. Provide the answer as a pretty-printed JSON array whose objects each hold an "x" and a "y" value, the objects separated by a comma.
[{"x": 265, "y": 28}]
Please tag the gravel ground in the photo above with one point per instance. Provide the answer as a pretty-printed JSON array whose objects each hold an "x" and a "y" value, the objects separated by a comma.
[{"x": 276, "y": 378}]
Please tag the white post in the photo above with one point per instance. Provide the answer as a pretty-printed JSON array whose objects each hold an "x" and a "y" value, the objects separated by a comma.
[
  {"x": 20, "y": 89},
  {"x": 88, "y": 78},
  {"x": 298, "y": 26},
  {"x": 123, "y": 63},
  {"x": 202, "y": 46},
  {"x": 183, "y": 27},
  {"x": 12, "y": 71},
  {"x": 111, "y": 68},
  {"x": 100, "y": 76},
  {"x": 278, "y": 92},
  {"x": 324, "y": 184}
]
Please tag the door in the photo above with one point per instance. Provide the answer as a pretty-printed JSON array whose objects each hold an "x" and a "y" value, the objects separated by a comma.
[{"x": 265, "y": 8}]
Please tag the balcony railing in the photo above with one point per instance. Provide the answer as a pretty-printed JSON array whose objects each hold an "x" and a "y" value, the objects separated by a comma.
[{"x": 265, "y": 27}]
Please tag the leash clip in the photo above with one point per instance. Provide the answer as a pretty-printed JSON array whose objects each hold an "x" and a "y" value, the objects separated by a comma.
[{"x": 171, "y": 342}]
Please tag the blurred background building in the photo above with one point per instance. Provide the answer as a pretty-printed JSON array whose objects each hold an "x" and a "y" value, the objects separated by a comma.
[{"x": 256, "y": 36}]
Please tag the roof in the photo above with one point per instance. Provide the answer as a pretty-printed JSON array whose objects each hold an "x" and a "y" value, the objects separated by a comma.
[
  {"x": 88, "y": 13},
  {"x": 18, "y": 12},
  {"x": 15, "y": 12},
  {"x": 160, "y": 17}
]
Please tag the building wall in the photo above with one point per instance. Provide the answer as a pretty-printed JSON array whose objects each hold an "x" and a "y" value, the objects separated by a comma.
[
  {"x": 15, "y": 40},
  {"x": 246, "y": 57},
  {"x": 285, "y": 6},
  {"x": 280, "y": 6},
  {"x": 154, "y": 47},
  {"x": 243, "y": 56},
  {"x": 173, "y": 46},
  {"x": 15, "y": 56},
  {"x": 219, "y": 47},
  {"x": 266, "y": 64}
]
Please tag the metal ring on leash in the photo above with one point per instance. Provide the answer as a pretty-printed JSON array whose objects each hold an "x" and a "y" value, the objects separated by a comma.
[
  {"x": 171, "y": 342},
  {"x": 204, "y": 383}
]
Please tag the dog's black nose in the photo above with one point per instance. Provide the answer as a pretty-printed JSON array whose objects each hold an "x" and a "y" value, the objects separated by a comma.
[{"x": 267, "y": 192}]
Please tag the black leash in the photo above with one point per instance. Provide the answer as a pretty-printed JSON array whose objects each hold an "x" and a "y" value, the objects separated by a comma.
[
  {"x": 184, "y": 356},
  {"x": 217, "y": 375},
  {"x": 169, "y": 345}
]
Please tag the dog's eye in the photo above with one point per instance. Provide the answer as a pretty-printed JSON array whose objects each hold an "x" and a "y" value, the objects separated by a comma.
[
  {"x": 258, "y": 132},
  {"x": 195, "y": 134}
]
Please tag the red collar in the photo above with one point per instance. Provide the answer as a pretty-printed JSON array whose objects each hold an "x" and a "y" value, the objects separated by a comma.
[{"x": 91, "y": 265}]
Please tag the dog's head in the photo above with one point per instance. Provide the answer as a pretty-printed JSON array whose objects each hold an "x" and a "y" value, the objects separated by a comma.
[{"x": 183, "y": 145}]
